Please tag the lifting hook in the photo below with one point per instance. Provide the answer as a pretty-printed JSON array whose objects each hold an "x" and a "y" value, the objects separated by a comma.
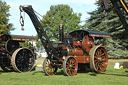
[{"x": 22, "y": 23}]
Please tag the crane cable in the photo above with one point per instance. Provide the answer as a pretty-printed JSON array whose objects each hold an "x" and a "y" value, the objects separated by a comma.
[{"x": 22, "y": 19}]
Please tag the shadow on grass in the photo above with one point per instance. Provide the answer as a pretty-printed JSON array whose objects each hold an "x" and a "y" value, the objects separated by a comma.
[
  {"x": 1, "y": 71},
  {"x": 37, "y": 72},
  {"x": 10, "y": 71},
  {"x": 126, "y": 71},
  {"x": 95, "y": 74},
  {"x": 60, "y": 72},
  {"x": 87, "y": 70}
]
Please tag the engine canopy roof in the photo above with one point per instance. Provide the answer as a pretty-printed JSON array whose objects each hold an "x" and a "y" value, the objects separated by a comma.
[{"x": 81, "y": 33}]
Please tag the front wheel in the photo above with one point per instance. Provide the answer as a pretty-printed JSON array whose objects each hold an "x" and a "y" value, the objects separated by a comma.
[
  {"x": 70, "y": 66},
  {"x": 48, "y": 68}
]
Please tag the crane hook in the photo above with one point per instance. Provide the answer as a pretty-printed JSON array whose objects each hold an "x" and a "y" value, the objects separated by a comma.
[{"x": 22, "y": 23}]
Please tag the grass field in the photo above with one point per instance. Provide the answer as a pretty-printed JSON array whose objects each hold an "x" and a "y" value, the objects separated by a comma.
[{"x": 110, "y": 77}]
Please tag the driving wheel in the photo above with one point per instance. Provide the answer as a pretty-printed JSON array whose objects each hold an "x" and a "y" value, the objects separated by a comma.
[{"x": 99, "y": 59}]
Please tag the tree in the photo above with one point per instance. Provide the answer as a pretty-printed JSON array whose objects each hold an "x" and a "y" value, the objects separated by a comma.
[
  {"x": 117, "y": 45},
  {"x": 60, "y": 14},
  {"x": 5, "y": 26}
]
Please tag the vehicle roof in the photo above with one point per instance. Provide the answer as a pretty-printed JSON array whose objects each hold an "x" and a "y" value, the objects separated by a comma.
[
  {"x": 82, "y": 33},
  {"x": 19, "y": 37}
]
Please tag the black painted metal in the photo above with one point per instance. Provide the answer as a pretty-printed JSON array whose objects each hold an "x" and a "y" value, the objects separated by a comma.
[
  {"x": 118, "y": 8},
  {"x": 80, "y": 34},
  {"x": 61, "y": 32}
]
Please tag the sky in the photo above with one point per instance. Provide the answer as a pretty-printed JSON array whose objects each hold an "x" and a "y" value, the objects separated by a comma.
[{"x": 42, "y": 6}]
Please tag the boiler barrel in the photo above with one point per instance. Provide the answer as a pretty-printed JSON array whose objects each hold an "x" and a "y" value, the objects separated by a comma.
[{"x": 75, "y": 51}]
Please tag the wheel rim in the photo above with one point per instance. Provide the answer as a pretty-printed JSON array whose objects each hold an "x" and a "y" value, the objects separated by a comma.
[
  {"x": 99, "y": 59},
  {"x": 23, "y": 60},
  {"x": 48, "y": 68},
  {"x": 70, "y": 66}
]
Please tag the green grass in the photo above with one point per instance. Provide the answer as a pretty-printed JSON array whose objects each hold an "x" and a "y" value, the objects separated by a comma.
[{"x": 110, "y": 77}]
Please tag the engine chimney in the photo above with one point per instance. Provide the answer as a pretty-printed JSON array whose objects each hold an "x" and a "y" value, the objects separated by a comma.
[{"x": 61, "y": 32}]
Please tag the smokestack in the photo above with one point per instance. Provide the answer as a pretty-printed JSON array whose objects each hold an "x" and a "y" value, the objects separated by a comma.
[{"x": 61, "y": 32}]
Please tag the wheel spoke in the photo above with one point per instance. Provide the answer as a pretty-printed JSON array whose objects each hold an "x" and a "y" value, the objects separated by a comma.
[
  {"x": 97, "y": 54},
  {"x": 67, "y": 66},
  {"x": 69, "y": 72},
  {"x": 73, "y": 62},
  {"x": 103, "y": 60},
  {"x": 102, "y": 64},
  {"x": 68, "y": 63},
  {"x": 99, "y": 68}
]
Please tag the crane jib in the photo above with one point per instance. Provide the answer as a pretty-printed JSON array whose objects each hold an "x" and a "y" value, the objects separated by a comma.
[{"x": 40, "y": 31}]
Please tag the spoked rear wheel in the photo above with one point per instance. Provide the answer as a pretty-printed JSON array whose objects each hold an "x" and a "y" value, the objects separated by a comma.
[
  {"x": 23, "y": 60},
  {"x": 48, "y": 68},
  {"x": 99, "y": 59},
  {"x": 70, "y": 66}
]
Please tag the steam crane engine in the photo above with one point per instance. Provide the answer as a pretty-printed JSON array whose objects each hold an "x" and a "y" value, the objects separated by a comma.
[{"x": 74, "y": 51}]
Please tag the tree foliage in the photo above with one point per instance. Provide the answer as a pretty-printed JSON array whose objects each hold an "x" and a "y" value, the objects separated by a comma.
[
  {"x": 5, "y": 26},
  {"x": 26, "y": 44},
  {"x": 60, "y": 14},
  {"x": 117, "y": 45}
]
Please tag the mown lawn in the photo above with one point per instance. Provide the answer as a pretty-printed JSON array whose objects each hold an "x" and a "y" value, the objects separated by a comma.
[{"x": 110, "y": 77}]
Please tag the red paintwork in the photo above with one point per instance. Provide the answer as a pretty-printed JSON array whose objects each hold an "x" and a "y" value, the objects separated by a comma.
[
  {"x": 77, "y": 43},
  {"x": 83, "y": 59},
  {"x": 88, "y": 43}
]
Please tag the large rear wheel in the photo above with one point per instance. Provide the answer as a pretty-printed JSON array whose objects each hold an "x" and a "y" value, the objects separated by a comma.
[
  {"x": 23, "y": 60},
  {"x": 99, "y": 59}
]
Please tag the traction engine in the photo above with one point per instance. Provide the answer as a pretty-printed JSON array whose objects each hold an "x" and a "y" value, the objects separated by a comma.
[
  {"x": 15, "y": 57},
  {"x": 74, "y": 51}
]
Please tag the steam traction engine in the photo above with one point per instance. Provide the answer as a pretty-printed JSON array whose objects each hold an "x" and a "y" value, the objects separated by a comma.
[
  {"x": 15, "y": 57},
  {"x": 74, "y": 50}
]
